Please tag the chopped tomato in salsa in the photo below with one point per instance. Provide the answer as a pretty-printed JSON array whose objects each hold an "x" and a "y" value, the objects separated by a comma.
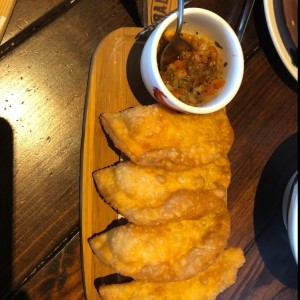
[{"x": 198, "y": 75}]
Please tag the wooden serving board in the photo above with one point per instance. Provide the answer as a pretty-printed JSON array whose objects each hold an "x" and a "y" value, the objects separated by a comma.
[
  {"x": 114, "y": 84},
  {"x": 6, "y": 8}
]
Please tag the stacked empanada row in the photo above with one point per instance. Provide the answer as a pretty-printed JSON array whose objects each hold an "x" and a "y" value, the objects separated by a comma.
[{"x": 172, "y": 191}]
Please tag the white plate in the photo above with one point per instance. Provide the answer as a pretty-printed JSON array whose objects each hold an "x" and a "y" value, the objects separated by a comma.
[
  {"x": 277, "y": 33},
  {"x": 290, "y": 213}
]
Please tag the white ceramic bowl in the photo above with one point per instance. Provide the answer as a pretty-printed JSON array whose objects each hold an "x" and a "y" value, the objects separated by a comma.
[
  {"x": 213, "y": 27},
  {"x": 290, "y": 213}
]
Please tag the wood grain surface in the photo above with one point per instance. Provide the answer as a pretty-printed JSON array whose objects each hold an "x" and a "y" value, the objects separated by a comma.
[{"x": 44, "y": 73}]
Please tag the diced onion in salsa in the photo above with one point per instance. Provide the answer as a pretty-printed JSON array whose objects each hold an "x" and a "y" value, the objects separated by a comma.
[{"x": 196, "y": 76}]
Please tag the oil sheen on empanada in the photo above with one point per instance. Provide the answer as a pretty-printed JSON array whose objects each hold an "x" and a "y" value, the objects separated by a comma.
[
  {"x": 152, "y": 196},
  {"x": 206, "y": 285},
  {"x": 163, "y": 253},
  {"x": 157, "y": 136}
]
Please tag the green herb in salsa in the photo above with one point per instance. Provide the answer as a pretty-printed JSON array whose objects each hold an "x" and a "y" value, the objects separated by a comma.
[{"x": 196, "y": 76}]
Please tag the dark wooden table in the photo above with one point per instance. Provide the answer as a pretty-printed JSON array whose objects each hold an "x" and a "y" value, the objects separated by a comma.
[{"x": 45, "y": 57}]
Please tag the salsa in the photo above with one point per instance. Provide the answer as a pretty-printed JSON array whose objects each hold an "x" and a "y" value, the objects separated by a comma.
[{"x": 196, "y": 76}]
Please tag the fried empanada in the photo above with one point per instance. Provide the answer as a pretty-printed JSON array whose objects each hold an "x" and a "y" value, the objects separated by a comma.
[
  {"x": 163, "y": 253},
  {"x": 152, "y": 196},
  {"x": 207, "y": 285},
  {"x": 157, "y": 136}
]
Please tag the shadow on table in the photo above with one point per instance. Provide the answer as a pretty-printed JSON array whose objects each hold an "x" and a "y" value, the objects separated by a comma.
[
  {"x": 134, "y": 76},
  {"x": 132, "y": 9},
  {"x": 271, "y": 234},
  {"x": 6, "y": 209}
]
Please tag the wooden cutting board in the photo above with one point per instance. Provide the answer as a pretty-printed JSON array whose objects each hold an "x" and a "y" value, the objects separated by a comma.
[
  {"x": 6, "y": 8},
  {"x": 115, "y": 84}
]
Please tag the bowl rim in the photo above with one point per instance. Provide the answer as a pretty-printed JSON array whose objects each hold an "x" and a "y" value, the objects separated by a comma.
[
  {"x": 209, "y": 106},
  {"x": 290, "y": 213}
]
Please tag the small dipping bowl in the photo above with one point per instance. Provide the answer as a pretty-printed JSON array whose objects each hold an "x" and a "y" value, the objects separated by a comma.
[{"x": 213, "y": 27}]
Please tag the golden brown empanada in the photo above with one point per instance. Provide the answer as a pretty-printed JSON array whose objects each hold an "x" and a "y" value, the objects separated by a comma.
[
  {"x": 152, "y": 196},
  {"x": 157, "y": 136},
  {"x": 206, "y": 285},
  {"x": 163, "y": 253}
]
